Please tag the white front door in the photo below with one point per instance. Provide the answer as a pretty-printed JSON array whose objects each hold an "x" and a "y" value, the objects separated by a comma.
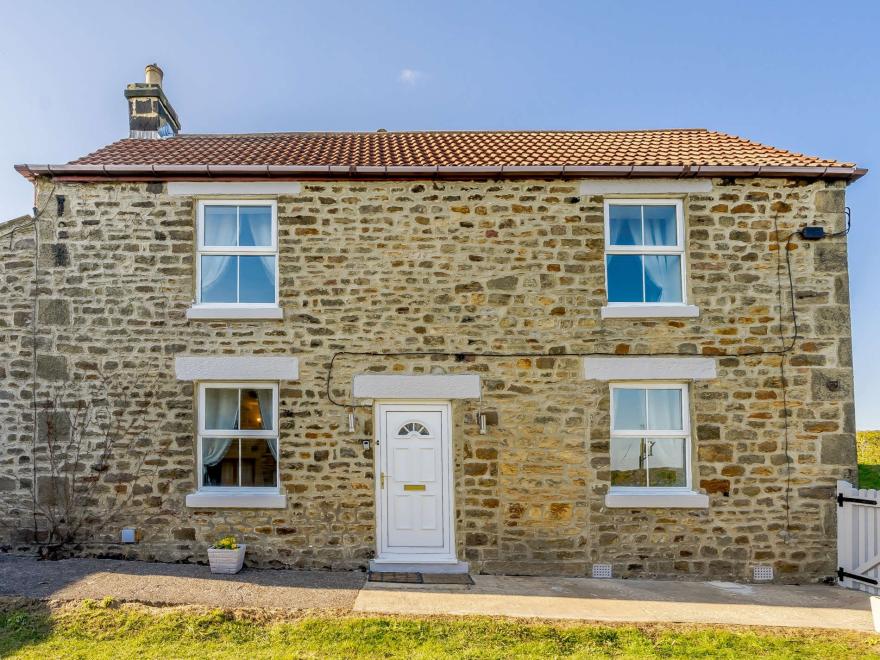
[{"x": 414, "y": 482}]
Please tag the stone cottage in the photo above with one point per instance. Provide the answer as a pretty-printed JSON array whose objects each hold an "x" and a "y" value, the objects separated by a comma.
[{"x": 567, "y": 353}]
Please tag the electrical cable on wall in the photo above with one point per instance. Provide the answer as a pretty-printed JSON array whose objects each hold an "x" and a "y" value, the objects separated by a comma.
[
  {"x": 462, "y": 355},
  {"x": 809, "y": 233}
]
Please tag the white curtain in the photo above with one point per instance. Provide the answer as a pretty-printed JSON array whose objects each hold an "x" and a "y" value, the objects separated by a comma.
[
  {"x": 626, "y": 225},
  {"x": 212, "y": 268},
  {"x": 268, "y": 264},
  {"x": 664, "y": 272},
  {"x": 664, "y": 409},
  {"x": 221, "y": 226},
  {"x": 657, "y": 230},
  {"x": 221, "y": 413},
  {"x": 258, "y": 223},
  {"x": 214, "y": 449},
  {"x": 267, "y": 415}
]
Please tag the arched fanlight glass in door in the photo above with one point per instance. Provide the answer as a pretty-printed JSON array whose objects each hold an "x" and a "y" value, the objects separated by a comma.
[{"x": 412, "y": 429}]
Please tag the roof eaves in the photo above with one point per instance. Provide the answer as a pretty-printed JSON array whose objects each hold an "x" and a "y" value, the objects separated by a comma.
[{"x": 102, "y": 172}]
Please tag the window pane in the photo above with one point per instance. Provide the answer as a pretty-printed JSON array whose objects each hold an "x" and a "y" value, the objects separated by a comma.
[
  {"x": 219, "y": 279},
  {"x": 255, "y": 225},
  {"x": 666, "y": 462},
  {"x": 625, "y": 224},
  {"x": 629, "y": 409},
  {"x": 628, "y": 462},
  {"x": 624, "y": 278},
  {"x": 220, "y": 225},
  {"x": 660, "y": 225},
  {"x": 257, "y": 283},
  {"x": 664, "y": 410},
  {"x": 259, "y": 462},
  {"x": 221, "y": 408},
  {"x": 219, "y": 462},
  {"x": 662, "y": 278},
  {"x": 256, "y": 410}
]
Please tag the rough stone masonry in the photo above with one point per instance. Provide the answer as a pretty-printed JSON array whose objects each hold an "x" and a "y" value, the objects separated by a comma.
[{"x": 459, "y": 267}]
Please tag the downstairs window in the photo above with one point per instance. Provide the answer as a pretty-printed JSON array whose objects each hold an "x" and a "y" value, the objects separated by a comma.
[
  {"x": 238, "y": 437},
  {"x": 650, "y": 438}
]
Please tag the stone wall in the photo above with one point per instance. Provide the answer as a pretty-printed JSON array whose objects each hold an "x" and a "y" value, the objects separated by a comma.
[{"x": 452, "y": 266}]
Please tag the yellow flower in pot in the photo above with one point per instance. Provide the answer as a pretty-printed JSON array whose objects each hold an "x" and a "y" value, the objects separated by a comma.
[{"x": 226, "y": 555}]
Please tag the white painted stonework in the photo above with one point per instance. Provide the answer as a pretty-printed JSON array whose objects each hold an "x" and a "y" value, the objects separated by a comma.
[
  {"x": 233, "y": 312},
  {"x": 237, "y": 188},
  {"x": 236, "y": 368},
  {"x": 381, "y": 386},
  {"x": 218, "y": 500},
  {"x": 649, "y": 368},
  {"x": 656, "y": 501},
  {"x": 645, "y": 186},
  {"x": 650, "y": 311}
]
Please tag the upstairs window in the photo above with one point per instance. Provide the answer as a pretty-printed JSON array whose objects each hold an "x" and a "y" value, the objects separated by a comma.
[
  {"x": 644, "y": 252},
  {"x": 237, "y": 253},
  {"x": 650, "y": 437}
]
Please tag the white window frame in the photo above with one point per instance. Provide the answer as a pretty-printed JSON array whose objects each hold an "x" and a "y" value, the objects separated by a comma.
[
  {"x": 204, "y": 433},
  {"x": 684, "y": 433},
  {"x": 232, "y": 250},
  {"x": 673, "y": 250}
]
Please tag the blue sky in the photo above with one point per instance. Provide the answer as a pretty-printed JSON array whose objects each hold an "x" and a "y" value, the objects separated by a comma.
[{"x": 799, "y": 75}]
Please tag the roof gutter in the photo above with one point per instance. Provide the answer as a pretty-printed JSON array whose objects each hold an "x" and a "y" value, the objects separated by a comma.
[{"x": 189, "y": 172}]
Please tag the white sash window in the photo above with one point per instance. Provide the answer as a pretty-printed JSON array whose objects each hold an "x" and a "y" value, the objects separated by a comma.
[
  {"x": 237, "y": 253},
  {"x": 650, "y": 438},
  {"x": 644, "y": 252},
  {"x": 238, "y": 437}
]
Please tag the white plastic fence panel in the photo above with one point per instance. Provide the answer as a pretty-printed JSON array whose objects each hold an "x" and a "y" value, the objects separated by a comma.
[{"x": 858, "y": 545}]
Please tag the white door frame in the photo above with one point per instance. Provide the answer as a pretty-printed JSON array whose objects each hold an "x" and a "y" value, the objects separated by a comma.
[{"x": 444, "y": 407}]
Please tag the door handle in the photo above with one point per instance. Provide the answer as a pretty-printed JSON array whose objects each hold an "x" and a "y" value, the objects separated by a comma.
[{"x": 382, "y": 480}]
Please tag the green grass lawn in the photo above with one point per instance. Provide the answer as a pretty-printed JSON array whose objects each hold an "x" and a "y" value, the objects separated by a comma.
[
  {"x": 109, "y": 630},
  {"x": 868, "y": 448}
]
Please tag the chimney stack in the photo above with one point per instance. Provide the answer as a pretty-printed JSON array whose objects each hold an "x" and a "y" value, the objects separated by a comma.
[{"x": 150, "y": 115}]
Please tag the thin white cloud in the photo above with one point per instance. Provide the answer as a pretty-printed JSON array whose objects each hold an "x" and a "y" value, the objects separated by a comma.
[{"x": 411, "y": 76}]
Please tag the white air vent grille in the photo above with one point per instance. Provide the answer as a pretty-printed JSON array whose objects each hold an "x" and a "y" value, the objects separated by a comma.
[
  {"x": 762, "y": 573},
  {"x": 601, "y": 570}
]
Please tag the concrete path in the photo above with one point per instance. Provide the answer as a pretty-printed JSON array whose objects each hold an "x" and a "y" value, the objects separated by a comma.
[
  {"x": 533, "y": 597},
  {"x": 814, "y": 606},
  {"x": 176, "y": 584}
]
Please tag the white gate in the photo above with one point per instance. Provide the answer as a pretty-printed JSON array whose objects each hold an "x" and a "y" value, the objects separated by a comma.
[{"x": 858, "y": 538}]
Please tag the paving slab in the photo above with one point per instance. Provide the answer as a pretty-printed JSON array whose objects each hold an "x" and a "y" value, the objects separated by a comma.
[
  {"x": 636, "y": 601},
  {"x": 177, "y": 584}
]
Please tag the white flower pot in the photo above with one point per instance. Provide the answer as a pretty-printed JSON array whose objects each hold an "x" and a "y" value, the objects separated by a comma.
[{"x": 226, "y": 561}]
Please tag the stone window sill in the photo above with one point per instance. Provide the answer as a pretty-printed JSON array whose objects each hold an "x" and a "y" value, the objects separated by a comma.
[
  {"x": 682, "y": 500},
  {"x": 245, "y": 500},
  {"x": 234, "y": 312},
  {"x": 650, "y": 311}
]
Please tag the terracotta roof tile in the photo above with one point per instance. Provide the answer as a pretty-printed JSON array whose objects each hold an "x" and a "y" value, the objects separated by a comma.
[{"x": 456, "y": 148}]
